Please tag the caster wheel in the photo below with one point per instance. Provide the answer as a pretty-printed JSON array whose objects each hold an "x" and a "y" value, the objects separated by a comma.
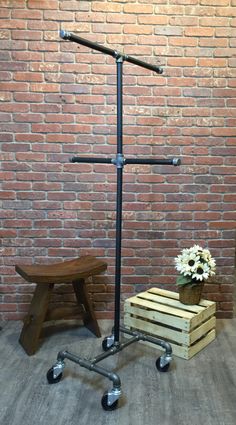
[
  {"x": 162, "y": 368},
  {"x": 107, "y": 406},
  {"x": 50, "y": 377},
  {"x": 106, "y": 344}
]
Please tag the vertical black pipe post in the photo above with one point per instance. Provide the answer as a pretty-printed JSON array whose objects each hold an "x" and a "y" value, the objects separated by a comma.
[{"x": 119, "y": 176}]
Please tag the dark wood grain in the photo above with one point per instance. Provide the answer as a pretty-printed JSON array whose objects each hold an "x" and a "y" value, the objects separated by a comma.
[
  {"x": 45, "y": 276},
  {"x": 62, "y": 272}
]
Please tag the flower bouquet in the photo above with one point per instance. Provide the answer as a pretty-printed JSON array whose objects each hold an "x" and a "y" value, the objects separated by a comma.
[{"x": 195, "y": 265}]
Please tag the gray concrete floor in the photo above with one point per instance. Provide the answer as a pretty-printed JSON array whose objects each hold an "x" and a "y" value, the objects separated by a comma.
[{"x": 193, "y": 392}]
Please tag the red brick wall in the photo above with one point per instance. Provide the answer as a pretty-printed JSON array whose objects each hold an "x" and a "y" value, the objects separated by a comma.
[{"x": 58, "y": 99}]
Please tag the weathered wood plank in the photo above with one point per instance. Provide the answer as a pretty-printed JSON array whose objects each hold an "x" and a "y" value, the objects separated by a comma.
[
  {"x": 149, "y": 304},
  {"x": 170, "y": 302}
]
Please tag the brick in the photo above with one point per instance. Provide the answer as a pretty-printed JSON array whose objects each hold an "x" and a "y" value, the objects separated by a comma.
[
  {"x": 197, "y": 92},
  {"x": 27, "y": 56},
  {"x": 15, "y": 128},
  {"x": 58, "y": 16},
  {"x": 207, "y": 62},
  {"x": 41, "y": 67},
  {"x": 21, "y": 87},
  {"x": 152, "y": 19},
  {"x": 57, "y": 57},
  {"x": 213, "y": 42},
  {"x": 181, "y": 62},
  {"x": 35, "y": 4},
  {"x": 28, "y": 76},
  {"x": 183, "y": 41},
  {"x": 137, "y": 29},
  {"x": 28, "y": 138},
  {"x": 4, "y": 34},
  {"x": 121, "y": 39},
  {"x": 225, "y": 32},
  {"x": 232, "y": 63},
  {"x": 48, "y": 87},
  {"x": 107, "y": 7},
  {"x": 120, "y": 18},
  {"x": 26, "y": 14},
  {"x": 4, "y": 13},
  {"x": 28, "y": 117},
  {"x": 43, "y": 25},
  {"x": 169, "y": 31},
  {"x": 8, "y": 307},
  {"x": 12, "y": 24},
  {"x": 138, "y": 8},
  {"x": 166, "y": 10},
  {"x": 215, "y": 2},
  {"x": 46, "y": 128},
  {"x": 225, "y": 11},
  {"x": 42, "y": 46},
  {"x": 26, "y": 35},
  {"x": 152, "y": 40},
  {"x": 214, "y": 22},
  {"x": 199, "y": 32}
]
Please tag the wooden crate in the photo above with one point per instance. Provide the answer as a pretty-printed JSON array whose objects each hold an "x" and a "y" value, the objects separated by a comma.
[{"x": 157, "y": 312}]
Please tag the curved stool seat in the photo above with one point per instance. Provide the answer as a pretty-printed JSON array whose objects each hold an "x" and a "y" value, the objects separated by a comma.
[{"x": 45, "y": 276}]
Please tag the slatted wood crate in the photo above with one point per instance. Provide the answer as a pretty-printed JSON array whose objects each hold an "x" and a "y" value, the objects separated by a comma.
[{"x": 159, "y": 313}]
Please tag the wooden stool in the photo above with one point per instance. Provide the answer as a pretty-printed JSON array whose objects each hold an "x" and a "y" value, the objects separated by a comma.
[{"x": 45, "y": 276}]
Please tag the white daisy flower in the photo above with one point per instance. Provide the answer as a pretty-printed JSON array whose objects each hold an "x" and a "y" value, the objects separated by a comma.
[
  {"x": 195, "y": 263},
  {"x": 201, "y": 272}
]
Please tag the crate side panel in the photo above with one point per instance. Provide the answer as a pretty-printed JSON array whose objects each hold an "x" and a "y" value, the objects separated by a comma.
[
  {"x": 194, "y": 349},
  {"x": 157, "y": 316},
  {"x": 156, "y": 330},
  {"x": 203, "y": 316},
  {"x": 202, "y": 330}
]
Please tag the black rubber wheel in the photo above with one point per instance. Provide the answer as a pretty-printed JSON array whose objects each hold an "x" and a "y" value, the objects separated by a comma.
[
  {"x": 51, "y": 379},
  {"x": 162, "y": 369},
  {"x": 105, "y": 347},
  {"x": 105, "y": 404}
]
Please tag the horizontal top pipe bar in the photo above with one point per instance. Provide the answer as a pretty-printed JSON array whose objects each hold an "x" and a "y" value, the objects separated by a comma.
[
  {"x": 172, "y": 161},
  {"x": 106, "y": 50},
  {"x": 91, "y": 160},
  {"x": 72, "y": 37}
]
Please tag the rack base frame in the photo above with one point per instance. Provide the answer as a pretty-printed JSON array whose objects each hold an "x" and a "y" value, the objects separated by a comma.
[{"x": 111, "y": 397}]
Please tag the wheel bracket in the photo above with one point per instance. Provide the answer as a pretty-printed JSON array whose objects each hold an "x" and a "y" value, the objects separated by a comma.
[
  {"x": 58, "y": 368},
  {"x": 164, "y": 360},
  {"x": 113, "y": 395},
  {"x": 110, "y": 341}
]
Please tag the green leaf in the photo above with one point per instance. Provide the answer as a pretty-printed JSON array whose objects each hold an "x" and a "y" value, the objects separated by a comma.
[{"x": 183, "y": 280}]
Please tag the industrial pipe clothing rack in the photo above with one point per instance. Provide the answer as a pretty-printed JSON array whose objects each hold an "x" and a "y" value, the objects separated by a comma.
[{"x": 111, "y": 344}]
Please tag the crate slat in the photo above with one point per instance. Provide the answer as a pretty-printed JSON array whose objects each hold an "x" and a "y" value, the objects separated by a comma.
[
  {"x": 159, "y": 307},
  {"x": 175, "y": 296},
  {"x": 159, "y": 313},
  {"x": 171, "y": 303}
]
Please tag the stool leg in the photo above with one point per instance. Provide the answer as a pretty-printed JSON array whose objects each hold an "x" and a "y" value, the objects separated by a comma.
[
  {"x": 35, "y": 317},
  {"x": 82, "y": 297}
]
